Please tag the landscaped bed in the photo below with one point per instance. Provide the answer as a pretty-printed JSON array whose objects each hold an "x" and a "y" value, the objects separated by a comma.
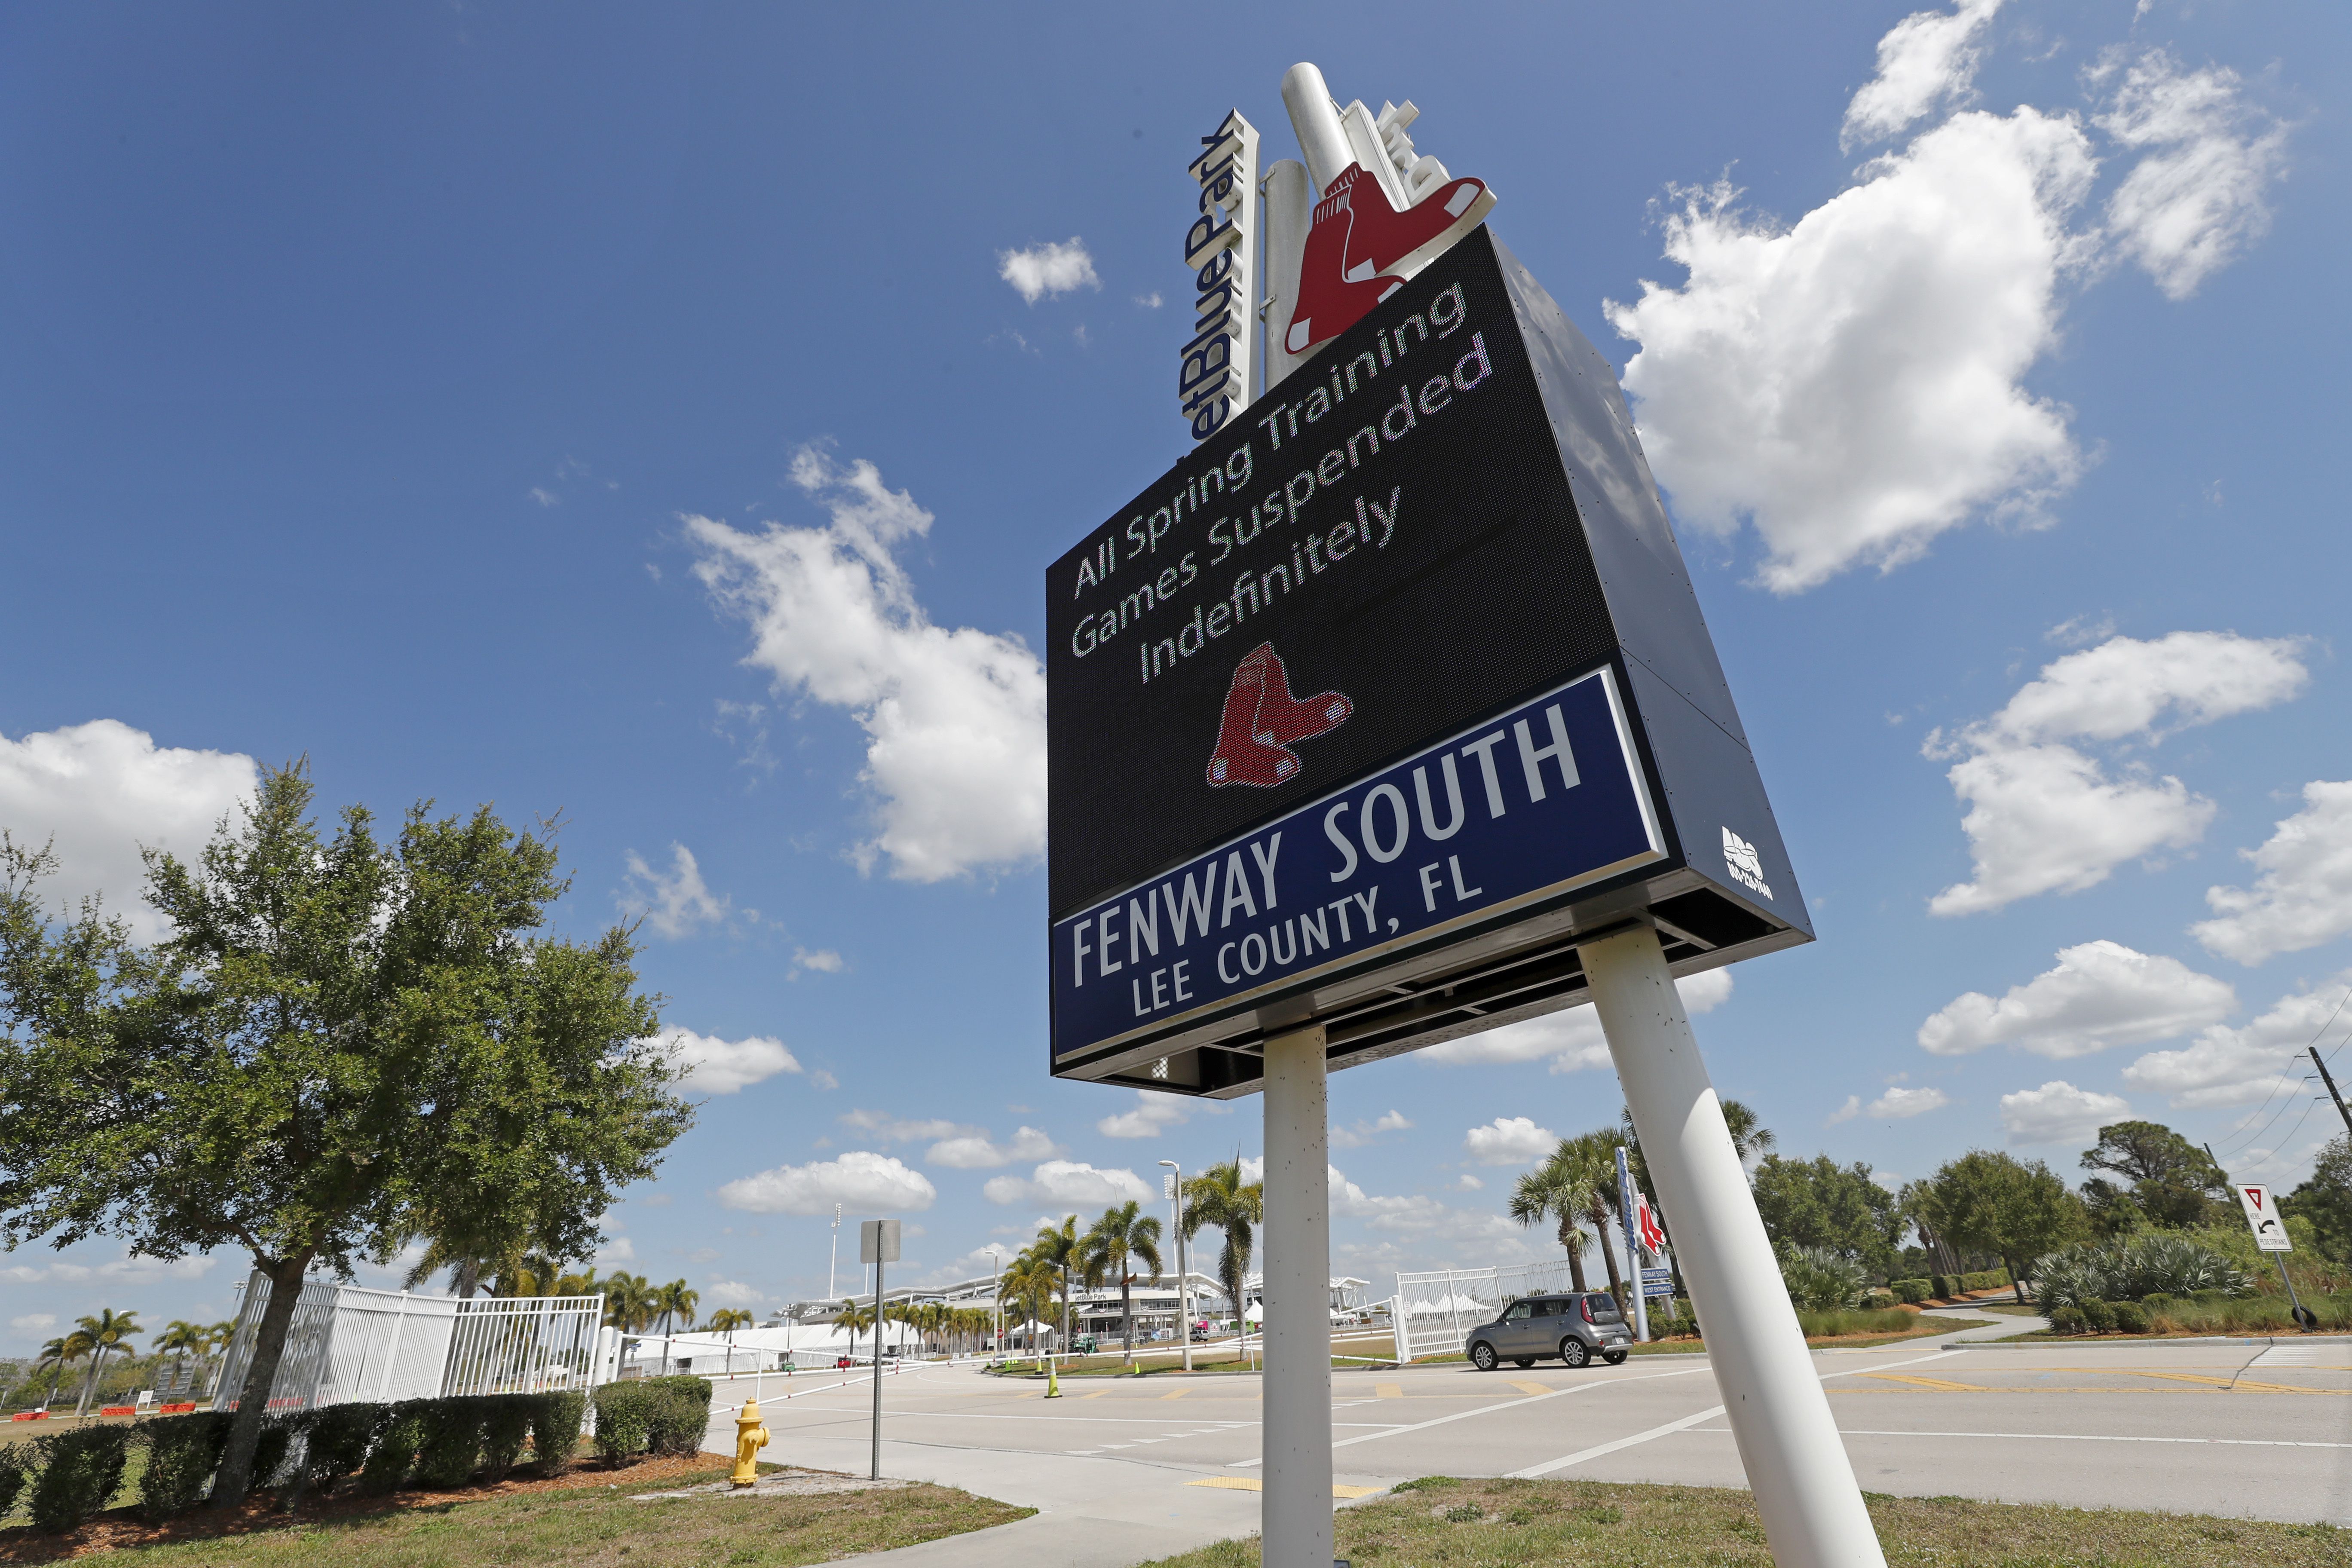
[
  {"x": 587, "y": 1517},
  {"x": 1438, "y": 1520}
]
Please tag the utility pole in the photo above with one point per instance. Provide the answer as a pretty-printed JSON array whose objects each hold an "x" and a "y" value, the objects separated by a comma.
[
  {"x": 2329, "y": 1080},
  {"x": 835, "y": 1267},
  {"x": 1175, "y": 1180}
]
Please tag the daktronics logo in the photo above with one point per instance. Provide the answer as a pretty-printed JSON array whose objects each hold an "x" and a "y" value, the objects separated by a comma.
[{"x": 1263, "y": 720}]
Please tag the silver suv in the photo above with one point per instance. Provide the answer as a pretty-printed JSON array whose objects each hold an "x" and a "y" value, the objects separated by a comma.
[{"x": 1573, "y": 1328}]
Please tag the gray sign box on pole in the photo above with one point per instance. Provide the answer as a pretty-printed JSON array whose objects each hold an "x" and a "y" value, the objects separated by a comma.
[{"x": 877, "y": 1241}]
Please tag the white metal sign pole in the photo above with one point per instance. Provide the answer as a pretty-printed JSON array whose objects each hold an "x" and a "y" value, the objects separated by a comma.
[
  {"x": 1789, "y": 1443},
  {"x": 1296, "y": 1511}
]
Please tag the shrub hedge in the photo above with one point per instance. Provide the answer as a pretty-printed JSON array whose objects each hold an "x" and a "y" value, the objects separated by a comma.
[
  {"x": 653, "y": 1414},
  {"x": 1911, "y": 1292},
  {"x": 75, "y": 1475}
]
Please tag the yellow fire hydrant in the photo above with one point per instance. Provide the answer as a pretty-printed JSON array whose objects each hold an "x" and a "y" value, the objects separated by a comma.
[{"x": 749, "y": 1438}]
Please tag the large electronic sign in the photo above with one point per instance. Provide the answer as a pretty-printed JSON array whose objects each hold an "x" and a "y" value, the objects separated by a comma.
[{"x": 1388, "y": 693}]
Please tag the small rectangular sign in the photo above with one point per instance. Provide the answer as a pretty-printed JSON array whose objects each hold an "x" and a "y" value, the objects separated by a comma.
[
  {"x": 2262, "y": 1215},
  {"x": 1539, "y": 800},
  {"x": 877, "y": 1241},
  {"x": 1657, "y": 1275}
]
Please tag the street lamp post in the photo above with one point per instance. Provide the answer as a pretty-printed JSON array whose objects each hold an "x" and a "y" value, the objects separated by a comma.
[
  {"x": 995, "y": 1261},
  {"x": 835, "y": 1267},
  {"x": 1175, "y": 1181}
]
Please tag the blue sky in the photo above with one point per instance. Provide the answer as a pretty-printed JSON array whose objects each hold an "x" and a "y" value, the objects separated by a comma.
[{"x": 665, "y": 416}]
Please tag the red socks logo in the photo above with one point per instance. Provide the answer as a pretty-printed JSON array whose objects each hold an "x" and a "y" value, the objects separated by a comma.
[
  {"x": 1357, "y": 240},
  {"x": 1262, "y": 721}
]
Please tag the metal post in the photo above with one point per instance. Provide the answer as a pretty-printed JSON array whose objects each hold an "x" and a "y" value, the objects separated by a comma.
[
  {"x": 834, "y": 1266},
  {"x": 2329, "y": 1080},
  {"x": 878, "y": 1370},
  {"x": 1633, "y": 1248},
  {"x": 1183, "y": 1278},
  {"x": 1779, "y": 1415},
  {"x": 1296, "y": 1517}
]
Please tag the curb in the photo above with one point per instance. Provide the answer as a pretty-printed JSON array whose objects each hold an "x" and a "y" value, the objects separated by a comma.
[{"x": 2139, "y": 1342}]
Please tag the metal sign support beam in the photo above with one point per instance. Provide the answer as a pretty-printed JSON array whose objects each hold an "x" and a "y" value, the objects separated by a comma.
[
  {"x": 1779, "y": 1415},
  {"x": 1296, "y": 1517}
]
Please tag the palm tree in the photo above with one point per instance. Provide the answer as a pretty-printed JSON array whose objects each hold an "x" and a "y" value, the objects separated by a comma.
[
  {"x": 1551, "y": 1191},
  {"x": 58, "y": 1355},
  {"x": 109, "y": 1331},
  {"x": 726, "y": 1320},
  {"x": 177, "y": 1340},
  {"x": 1218, "y": 1196},
  {"x": 1124, "y": 1234},
  {"x": 217, "y": 1339},
  {"x": 1589, "y": 1161},
  {"x": 1030, "y": 1283},
  {"x": 676, "y": 1303},
  {"x": 1057, "y": 1245},
  {"x": 1750, "y": 1138},
  {"x": 855, "y": 1318}
]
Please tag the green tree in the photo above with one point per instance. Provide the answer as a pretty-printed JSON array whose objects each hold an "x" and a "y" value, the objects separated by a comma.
[
  {"x": 1817, "y": 1203},
  {"x": 56, "y": 1356},
  {"x": 1587, "y": 1164},
  {"x": 180, "y": 1340},
  {"x": 109, "y": 1331},
  {"x": 1057, "y": 1245},
  {"x": 2173, "y": 1181},
  {"x": 1219, "y": 1197},
  {"x": 1031, "y": 1284},
  {"x": 2016, "y": 1210},
  {"x": 856, "y": 1319},
  {"x": 342, "y": 1043},
  {"x": 1552, "y": 1192},
  {"x": 1749, "y": 1137},
  {"x": 1125, "y": 1235},
  {"x": 675, "y": 1303},
  {"x": 2325, "y": 1200}
]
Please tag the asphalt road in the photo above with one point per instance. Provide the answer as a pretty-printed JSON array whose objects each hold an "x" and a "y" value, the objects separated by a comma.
[{"x": 1125, "y": 1469}]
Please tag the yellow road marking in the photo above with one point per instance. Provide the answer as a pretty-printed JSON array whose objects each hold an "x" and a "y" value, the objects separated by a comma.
[
  {"x": 1097, "y": 1393},
  {"x": 1177, "y": 1394},
  {"x": 2239, "y": 1382},
  {"x": 1531, "y": 1388},
  {"x": 1252, "y": 1484},
  {"x": 1937, "y": 1383},
  {"x": 1387, "y": 1391}
]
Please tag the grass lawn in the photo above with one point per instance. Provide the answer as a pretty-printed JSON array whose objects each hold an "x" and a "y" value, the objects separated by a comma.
[
  {"x": 585, "y": 1517},
  {"x": 1507, "y": 1524}
]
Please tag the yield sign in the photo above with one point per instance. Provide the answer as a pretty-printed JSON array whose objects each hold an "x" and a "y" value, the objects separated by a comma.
[{"x": 2262, "y": 1213}]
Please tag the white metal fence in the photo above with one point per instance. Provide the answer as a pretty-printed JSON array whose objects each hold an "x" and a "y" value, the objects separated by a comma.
[
  {"x": 348, "y": 1342},
  {"x": 1434, "y": 1312}
]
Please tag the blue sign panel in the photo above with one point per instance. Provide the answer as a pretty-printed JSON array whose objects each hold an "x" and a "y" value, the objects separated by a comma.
[{"x": 1543, "y": 799}]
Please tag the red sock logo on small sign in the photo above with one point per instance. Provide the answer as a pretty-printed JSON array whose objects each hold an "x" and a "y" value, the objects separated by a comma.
[{"x": 1263, "y": 720}]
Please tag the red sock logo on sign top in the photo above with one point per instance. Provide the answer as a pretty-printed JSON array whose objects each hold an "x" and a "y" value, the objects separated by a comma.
[
  {"x": 1263, "y": 720},
  {"x": 1357, "y": 241}
]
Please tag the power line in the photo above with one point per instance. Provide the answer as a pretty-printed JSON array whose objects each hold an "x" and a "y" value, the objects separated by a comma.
[{"x": 2284, "y": 1081}]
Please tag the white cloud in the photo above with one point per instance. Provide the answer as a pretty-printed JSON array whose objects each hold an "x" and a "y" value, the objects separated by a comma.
[
  {"x": 2058, "y": 1113},
  {"x": 1048, "y": 271},
  {"x": 675, "y": 904},
  {"x": 2101, "y": 993},
  {"x": 1406, "y": 1214},
  {"x": 823, "y": 961},
  {"x": 617, "y": 1250},
  {"x": 1362, "y": 1132},
  {"x": 2046, "y": 817},
  {"x": 825, "y": 1080},
  {"x": 2304, "y": 894},
  {"x": 722, "y": 1067},
  {"x": 892, "y": 1128},
  {"x": 1848, "y": 1112},
  {"x": 1929, "y": 59},
  {"x": 2194, "y": 200},
  {"x": 1509, "y": 1141},
  {"x": 96, "y": 791},
  {"x": 1900, "y": 1104},
  {"x": 977, "y": 1153},
  {"x": 1852, "y": 384},
  {"x": 1152, "y": 1114},
  {"x": 955, "y": 720},
  {"x": 1571, "y": 1037},
  {"x": 34, "y": 1322},
  {"x": 733, "y": 1293},
  {"x": 860, "y": 1181},
  {"x": 121, "y": 1271},
  {"x": 1469, "y": 1184},
  {"x": 1069, "y": 1183},
  {"x": 2227, "y": 1066}
]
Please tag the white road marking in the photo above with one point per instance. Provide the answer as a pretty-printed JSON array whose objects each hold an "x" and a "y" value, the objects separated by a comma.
[
  {"x": 1686, "y": 1423},
  {"x": 2085, "y": 1438}
]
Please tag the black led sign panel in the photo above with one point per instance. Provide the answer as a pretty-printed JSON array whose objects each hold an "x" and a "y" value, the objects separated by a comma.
[{"x": 1326, "y": 663}]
